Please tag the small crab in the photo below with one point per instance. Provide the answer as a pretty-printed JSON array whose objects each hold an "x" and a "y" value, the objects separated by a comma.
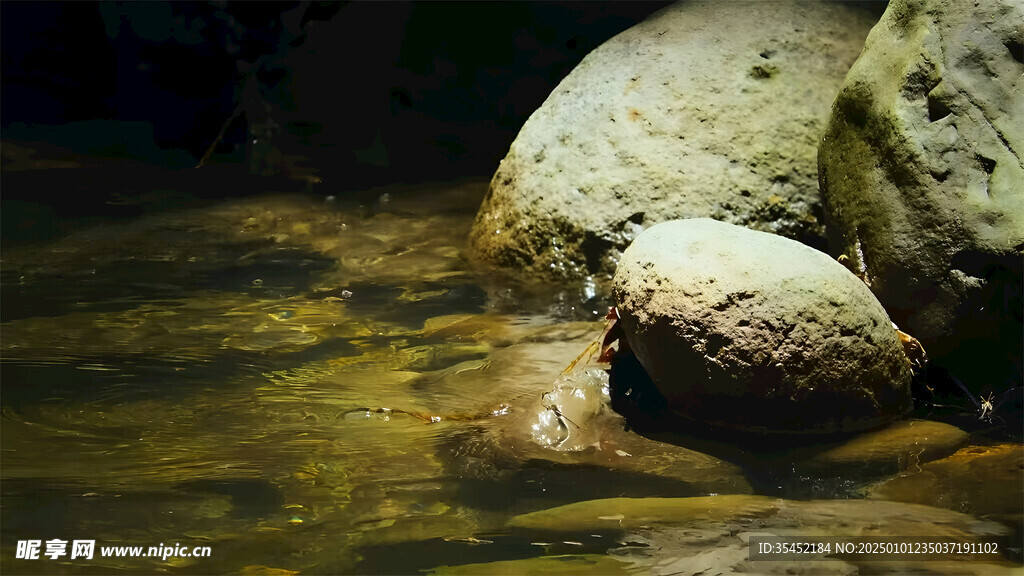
[
  {"x": 911, "y": 346},
  {"x": 860, "y": 272},
  {"x": 913, "y": 349}
]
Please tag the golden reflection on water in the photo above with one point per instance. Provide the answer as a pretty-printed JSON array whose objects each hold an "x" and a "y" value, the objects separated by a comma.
[
  {"x": 254, "y": 376},
  {"x": 209, "y": 375}
]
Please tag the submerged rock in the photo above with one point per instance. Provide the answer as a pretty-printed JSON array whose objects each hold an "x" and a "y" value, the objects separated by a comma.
[
  {"x": 751, "y": 331},
  {"x": 977, "y": 479},
  {"x": 555, "y": 565},
  {"x": 630, "y": 513},
  {"x": 711, "y": 535},
  {"x": 668, "y": 120},
  {"x": 846, "y": 468},
  {"x": 923, "y": 181},
  {"x": 770, "y": 515},
  {"x": 568, "y": 428},
  {"x": 902, "y": 445}
]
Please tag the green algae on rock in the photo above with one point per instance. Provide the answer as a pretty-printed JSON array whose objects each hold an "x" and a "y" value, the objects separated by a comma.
[{"x": 923, "y": 182}]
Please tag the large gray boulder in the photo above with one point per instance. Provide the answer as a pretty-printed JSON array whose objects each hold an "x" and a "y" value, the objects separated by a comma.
[
  {"x": 923, "y": 182},
  {"x": 752, "y": 331},
  {"x": 705, "y": 109}
]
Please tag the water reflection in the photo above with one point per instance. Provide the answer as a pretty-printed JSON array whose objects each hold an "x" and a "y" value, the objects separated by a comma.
[
  {"x": 198, "y": 375},
  {"x": 304, "y": 386}
]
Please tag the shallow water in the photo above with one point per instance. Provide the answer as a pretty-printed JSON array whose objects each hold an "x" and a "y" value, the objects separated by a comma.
[{"x": 259, "y": 376}]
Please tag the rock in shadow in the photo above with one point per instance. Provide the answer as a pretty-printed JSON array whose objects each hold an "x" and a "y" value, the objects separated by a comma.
[{"x": 789, "y": 465}]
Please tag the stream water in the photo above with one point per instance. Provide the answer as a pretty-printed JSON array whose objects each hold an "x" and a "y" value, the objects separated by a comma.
[{"x": 258, "y": 376}]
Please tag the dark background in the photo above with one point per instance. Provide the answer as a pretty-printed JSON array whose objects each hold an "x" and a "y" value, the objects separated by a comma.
[{"x": 329, "y": 97}]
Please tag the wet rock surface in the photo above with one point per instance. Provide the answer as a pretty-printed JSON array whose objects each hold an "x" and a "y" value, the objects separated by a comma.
[
  {"x": 667, "y": 121},
  {"x": 903, "y": 444},
  {"x": 751, "y": 331},
  {"x": 846, "y": 468},
  {"x": 923, "y": 181},
  {"x": 561, "y": 424},
  {"x": 712, "y": 534},
  {"x": 553, "y": 565},
  {"x": 982, "y": 480}
]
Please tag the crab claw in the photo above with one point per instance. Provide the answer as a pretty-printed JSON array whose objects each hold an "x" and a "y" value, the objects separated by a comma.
[{"x": 912, "y": 348}]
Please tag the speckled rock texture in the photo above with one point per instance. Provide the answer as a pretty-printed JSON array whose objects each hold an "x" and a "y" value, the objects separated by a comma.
[
  {"x": 705, "y": 109},
  {"x": 751, "y": 331},
  {"x": 923, "y": 182}
]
